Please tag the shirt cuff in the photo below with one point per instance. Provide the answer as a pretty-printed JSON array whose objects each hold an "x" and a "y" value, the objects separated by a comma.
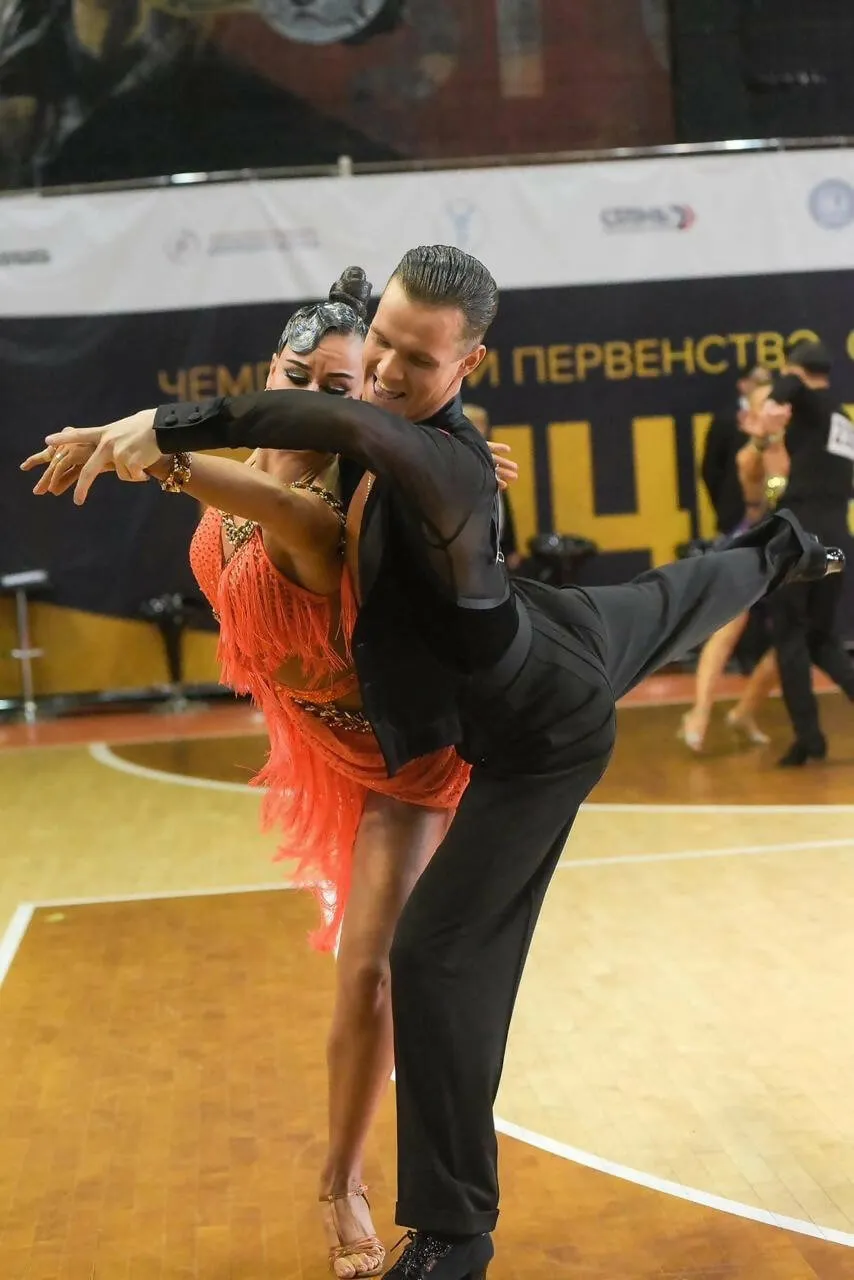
[{"x": 191, "y": 425}]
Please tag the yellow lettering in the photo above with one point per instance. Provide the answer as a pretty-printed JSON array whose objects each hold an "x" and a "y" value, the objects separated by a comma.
[
  {"x": 201, "y": 382},
  {"x": 176, "y": 390},
  {"x": 703, "y": 361},
  {"x": 560, "y": 364},
  {"x": 647, "y": 358},
  {"x": 659, "y": 525},
  {"x": 706, "y": 519},
  {"x": 242, "y": 383},
  {"x": 520, "y": 355},
  {"x": 801, "y": 335},
  {"x": 770, "y": 350},
  {"x": 523, "y": 492},
  {"x": 685, "y": 355},
  {"x": 618, "y": 361},
  {"x": 741, "y": 341},
  {"x": 588, "y": 355},
  {"x": 488, "y": 368}
]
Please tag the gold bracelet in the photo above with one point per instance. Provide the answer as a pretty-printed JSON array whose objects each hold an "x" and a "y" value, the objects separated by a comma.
[{"x": 179, "y": 474}]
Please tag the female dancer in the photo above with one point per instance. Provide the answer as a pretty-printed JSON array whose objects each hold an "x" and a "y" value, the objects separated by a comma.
[
  {"x": 762, "y": 469},
  {"x": 268, "y": 555}
]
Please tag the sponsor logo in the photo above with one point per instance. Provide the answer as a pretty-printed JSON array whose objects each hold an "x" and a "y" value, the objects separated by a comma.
[
  {"x": 462, "y": 224},
  {"x": 831, "y": 204},
  {"x": 664, "y": 217},
  {"x": 185, "y": 245},
  {"x": 182, "y": 246},
  {"x": 24, "y": 257},
  {"x": 265, "y": 241}
]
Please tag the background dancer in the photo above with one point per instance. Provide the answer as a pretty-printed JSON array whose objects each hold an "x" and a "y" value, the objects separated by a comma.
[{"x": 819, "y": 438}]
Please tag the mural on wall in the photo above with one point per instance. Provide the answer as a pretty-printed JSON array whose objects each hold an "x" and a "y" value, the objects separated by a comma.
[{"x": 107, "y": 90}]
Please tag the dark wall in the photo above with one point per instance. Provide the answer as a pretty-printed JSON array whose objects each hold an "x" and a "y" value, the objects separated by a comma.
[
  {"x": 762, "y": 68},
  {"x": 147, "y": 92}
]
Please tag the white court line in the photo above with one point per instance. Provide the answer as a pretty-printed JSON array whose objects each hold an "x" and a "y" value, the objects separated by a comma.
[
  {"x": 696, "y": 855},
  {"x": 23, "y": 914},
  {"x": 720, "y": 808},
  {"x": 625, "y": 1174},
  {"x": 166, "y": 894},
  {"x": 13, "y": 936},
  {"x": 104, "y": 755},
  {"x": 565, "y": 864}
]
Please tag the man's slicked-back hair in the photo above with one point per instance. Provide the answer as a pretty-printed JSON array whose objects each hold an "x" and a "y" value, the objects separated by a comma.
[{"x": 441, "y": 275}]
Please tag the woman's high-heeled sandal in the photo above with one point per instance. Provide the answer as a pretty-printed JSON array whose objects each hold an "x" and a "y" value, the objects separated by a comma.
[
  {"x": 691, "y": 737},
  {"x": 747, "y": 729},
  {"x": 365, "y": 1257}
]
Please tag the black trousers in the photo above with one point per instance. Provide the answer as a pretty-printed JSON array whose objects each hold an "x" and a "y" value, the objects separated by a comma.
[
  {"x": 463, "y": 938},
  {"x": 803, "y": 630}
]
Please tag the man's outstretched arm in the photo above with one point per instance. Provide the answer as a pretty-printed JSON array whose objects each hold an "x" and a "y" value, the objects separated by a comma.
[{"x": 441, "y": 475}]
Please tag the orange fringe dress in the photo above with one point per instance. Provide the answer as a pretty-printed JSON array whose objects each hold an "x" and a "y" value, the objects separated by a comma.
[{"x": 317, "y": 776}]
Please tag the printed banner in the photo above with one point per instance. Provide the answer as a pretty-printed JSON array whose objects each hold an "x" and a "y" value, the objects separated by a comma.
[
  {"x": 624, "y": 326},
  {"x": 223, "y": 244}
]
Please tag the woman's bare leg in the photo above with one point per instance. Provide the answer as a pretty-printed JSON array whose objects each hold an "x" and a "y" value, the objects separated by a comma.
[
  {"x": 763, "y": 680},
  {"x": 394, "y": 843},
  {"x": 714, "y": 656}
]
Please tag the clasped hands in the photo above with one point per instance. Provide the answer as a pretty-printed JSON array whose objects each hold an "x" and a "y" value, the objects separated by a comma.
[
  {"x": 767, "y": 422},
  {"x": 77, "y": 455}
]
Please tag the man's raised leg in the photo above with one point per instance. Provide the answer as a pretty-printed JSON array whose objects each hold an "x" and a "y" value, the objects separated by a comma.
[{"x": 666, "y": 613}]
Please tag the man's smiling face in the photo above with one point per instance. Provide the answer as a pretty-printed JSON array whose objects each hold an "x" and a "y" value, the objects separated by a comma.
[{"x": 416, "y": 355}]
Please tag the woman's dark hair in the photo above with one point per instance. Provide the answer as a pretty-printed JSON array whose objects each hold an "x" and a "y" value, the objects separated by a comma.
[
  {"x": 441, "y": 275},
  {"x": 345, "y": 311}
]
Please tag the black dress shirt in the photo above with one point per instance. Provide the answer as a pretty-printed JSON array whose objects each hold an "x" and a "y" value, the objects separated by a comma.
[
  {"x": 437, "y": 603},
  {"x": 820, "y": 444}
]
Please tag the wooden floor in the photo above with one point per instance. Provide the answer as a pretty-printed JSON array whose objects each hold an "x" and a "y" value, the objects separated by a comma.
[
  {"x": 679, "y": 1074},
  {"x": 152, "y": 1047}
]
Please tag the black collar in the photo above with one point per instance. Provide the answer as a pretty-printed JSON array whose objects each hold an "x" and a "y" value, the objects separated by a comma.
[{"x": 450, "y": 417}]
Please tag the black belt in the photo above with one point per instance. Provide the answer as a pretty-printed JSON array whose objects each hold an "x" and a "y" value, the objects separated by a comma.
[{"x": 509, "y": 664}]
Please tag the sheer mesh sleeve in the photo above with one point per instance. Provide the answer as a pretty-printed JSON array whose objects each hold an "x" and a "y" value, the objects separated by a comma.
[{"x": 445, "y": 478}]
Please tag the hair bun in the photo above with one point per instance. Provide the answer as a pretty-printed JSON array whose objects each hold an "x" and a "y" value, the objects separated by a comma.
[{"x": 353, "y": 288}]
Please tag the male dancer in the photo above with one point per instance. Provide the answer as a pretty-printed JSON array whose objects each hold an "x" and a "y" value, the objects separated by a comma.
[
  {"x": 522, "y": 677},
  {"x": 819, "y": 438}
]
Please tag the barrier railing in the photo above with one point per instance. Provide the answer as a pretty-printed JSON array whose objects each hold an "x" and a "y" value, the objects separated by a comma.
[{"x": 346, "y": 167}]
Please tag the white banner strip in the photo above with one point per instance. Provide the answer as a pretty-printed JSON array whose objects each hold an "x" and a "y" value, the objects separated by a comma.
[{"x": 187, "y": 247}]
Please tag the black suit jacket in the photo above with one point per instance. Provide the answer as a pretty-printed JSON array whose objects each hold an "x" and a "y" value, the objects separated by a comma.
[{"x": 436, "y": 601}]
